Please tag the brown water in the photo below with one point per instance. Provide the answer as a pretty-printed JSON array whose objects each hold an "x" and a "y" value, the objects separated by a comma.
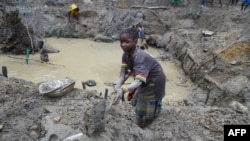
[{"x": 82, "y": 60}]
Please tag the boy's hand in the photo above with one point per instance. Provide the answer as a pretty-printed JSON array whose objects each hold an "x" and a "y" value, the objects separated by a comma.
[
  {"x": 116, "y": 87},
  {"x": 124, "y": 89},
  {"x": 118, "y": 97}
]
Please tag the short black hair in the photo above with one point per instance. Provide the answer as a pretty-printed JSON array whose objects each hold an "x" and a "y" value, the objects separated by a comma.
[
  {"x": 142, "y": 47},
  {"x": 40, "y": 44},
  {"x": 132, "y": 32}
]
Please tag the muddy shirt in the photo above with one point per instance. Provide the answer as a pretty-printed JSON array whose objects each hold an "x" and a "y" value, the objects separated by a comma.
[{"x": 148, "y": 70}]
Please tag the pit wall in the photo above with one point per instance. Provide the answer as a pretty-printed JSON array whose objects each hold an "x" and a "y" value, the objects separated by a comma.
[{"x": 216, "y": 77}]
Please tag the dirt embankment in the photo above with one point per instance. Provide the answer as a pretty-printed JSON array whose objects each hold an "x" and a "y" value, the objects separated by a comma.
[{"x": 26, "y": 115}]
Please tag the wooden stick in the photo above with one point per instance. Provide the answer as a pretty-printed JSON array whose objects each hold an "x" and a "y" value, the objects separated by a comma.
[
  {"x": 149, "y": 7},
  {"x": 31, "y": 41},
  {"x": 33, "y": 60},
  {"x": 112, "y": 84}
]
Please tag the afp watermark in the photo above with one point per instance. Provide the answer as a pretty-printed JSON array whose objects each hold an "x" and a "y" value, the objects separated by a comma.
[{"x": 237, "y": 132}]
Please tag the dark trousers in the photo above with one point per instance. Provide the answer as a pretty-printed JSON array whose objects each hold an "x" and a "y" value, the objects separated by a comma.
[{"x": 244, "y": 5}]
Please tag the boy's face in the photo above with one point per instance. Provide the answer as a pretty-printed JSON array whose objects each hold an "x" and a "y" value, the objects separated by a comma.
[{"x": 127, "y": 43}]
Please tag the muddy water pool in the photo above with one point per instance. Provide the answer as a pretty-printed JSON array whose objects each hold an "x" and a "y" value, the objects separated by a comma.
[{"x": 82, "y": 60}]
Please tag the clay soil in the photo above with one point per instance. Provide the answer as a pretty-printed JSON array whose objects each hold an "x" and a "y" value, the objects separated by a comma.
[{"x": 237, "y": 52}]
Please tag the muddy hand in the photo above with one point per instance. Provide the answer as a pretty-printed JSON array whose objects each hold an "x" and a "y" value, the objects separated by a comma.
[{"x": 118, "y": 96}]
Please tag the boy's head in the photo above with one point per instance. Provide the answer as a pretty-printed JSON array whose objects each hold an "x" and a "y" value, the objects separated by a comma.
[
  {"x": 40, "y": 44},
  {"x": 139, "y": 25},
  {"x": 128, "y": 39},
  {"x": 142, "y": 47}
]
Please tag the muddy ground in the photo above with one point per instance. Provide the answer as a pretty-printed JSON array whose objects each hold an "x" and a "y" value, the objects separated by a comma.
[{"x": 27, "y": 116}]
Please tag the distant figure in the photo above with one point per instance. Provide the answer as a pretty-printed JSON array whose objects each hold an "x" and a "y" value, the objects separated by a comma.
[
  {"x": 175, "y": 2},
  {"x": 233, "y": 2},
  {"x": 73, "y": 12},
  {"x": 219, "y": 2},
  {"x": 141, "y": 34},
  {"x": 43, "y": 53},
  {"x": 244, "y": 4},
  {"x": 203, "y": 2}
]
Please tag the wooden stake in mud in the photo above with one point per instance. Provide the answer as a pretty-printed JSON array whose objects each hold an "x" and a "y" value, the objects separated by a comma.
[
  {"x": 83, "y": 85},
  {"x": 106, "y": 93},
  {"x": 4, "y": 71},
  {"x": 27, "y": 55}
]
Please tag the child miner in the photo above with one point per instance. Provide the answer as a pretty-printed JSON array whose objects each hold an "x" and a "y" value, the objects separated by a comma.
[{"x": 149, "y": 79}]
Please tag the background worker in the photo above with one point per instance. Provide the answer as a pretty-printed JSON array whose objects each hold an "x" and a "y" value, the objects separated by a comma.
[
  {"x": 175, "y": 2},
  {"x": 141, "y": 34},
  {"x": 233, "y": 2},
  {"x": 44, "y": 57},
  {"x": 73, "y": 12},
  {"x": 245, "y": 4}
]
